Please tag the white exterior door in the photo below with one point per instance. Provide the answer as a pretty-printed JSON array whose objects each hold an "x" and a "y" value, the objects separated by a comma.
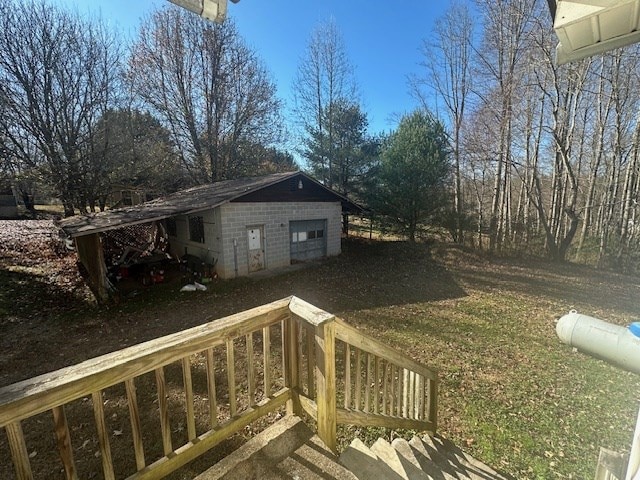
[{"x": 255, "y": 245}]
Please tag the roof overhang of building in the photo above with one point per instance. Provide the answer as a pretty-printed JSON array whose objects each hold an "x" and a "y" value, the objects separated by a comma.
[
  {"x": 187, "y": 202},
  {"x": 588, "y": 27},
  {"x": 214, "y": 10}
]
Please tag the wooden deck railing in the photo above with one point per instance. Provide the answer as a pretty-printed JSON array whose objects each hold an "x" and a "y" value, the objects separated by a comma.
[{"x": 232, "y": 372}]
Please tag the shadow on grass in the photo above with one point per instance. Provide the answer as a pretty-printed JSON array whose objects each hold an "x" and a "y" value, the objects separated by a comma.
[
  {"x": 581, "y": 287},
  {"x": 23, "y": 292},
  {"x": 30, "y": 310},
  {"x": 370, "y": 275}
]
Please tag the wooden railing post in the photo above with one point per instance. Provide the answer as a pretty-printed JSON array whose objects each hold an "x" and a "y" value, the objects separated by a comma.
[
  {"x": 326, "y": 382},
  {"x": 291, "y": 363}
]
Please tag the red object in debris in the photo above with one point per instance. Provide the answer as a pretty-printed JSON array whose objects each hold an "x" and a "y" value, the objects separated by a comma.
[{"x": 157, "y": 277}]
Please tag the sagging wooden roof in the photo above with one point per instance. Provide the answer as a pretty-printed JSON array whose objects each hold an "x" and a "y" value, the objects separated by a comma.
[{"x": 197, "y": 199}]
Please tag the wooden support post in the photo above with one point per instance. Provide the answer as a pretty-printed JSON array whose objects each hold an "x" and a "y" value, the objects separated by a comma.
[
  {"x": 367, "y": 386},
  {"x": 392, "y": 393},
  {"x": 347, "y": 376},
  {"x": 405, "y": 393},
  {"x": 211, "y": 389},
  {"x": 231, "y": 379},
  {"x": 385, "y": 391},
  {"x": 291, "y": 364},
  {"x": 300, "y": 356},
  {"x": 251, "y": 373},
  {"x": 358, "y": 387},
  {"x": 400, "y": 390},
  {"x": 433, "y": 402},
  {"x": 188, "y": 398},
  {"x": 326, "y": 382},
  {"x": 91, "y": 255},
  {"x": 412, "y": 395},
  {"x": 311, "y": 361},
  {"x": 103, "y": 436},
  {"x": 163, "y": 409},
  {"x": 376, "y": 385}
]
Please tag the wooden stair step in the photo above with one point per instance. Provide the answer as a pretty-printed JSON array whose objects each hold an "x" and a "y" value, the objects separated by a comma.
[
  {"x": 289, "y": 449},
  {"x": 257, "y": 458},
  {"x": 429, "y": 457}
]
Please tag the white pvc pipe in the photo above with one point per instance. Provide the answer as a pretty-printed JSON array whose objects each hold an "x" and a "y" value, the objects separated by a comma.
[{"x": 611, "y": 343}]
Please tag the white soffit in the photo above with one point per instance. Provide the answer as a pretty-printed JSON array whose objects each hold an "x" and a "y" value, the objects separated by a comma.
[
  {"x": 588, "y": 27},
  {"x": 214, "y": 10}
]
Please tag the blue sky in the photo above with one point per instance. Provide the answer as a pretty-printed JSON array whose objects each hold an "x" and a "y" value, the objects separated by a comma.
[{"x": 382, "y": 39}]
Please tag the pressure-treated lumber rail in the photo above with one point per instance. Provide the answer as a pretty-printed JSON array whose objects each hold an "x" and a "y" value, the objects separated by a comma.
[{"x": 293, "y": 353}]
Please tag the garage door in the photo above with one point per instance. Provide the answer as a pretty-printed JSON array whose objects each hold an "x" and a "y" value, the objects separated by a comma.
[{"x": 308, "y": 240}]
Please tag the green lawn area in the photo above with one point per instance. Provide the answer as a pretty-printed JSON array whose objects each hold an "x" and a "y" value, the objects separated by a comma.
[{"x": 510, "y": 393}]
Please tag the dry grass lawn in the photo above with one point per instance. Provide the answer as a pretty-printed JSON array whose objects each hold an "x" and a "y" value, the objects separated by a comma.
[{"x": 511, "y": 394}]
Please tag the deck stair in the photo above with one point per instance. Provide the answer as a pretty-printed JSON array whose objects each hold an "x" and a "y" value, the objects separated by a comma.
[
  {"x": 289, "y": 449},
  {"x": 284, "y": 356},
  {"x": 421, "y": 458}
]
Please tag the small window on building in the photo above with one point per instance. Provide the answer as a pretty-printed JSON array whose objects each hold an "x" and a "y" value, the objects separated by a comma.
[
  {"x": 127, "y": 197},
  {"x": 311, "y": 235},
  {"x": 196, "y": 229},
  {"x": 319, "y": 233},
  {"x": 172, "y": 228},
  {"x": 302, "y": 236}
]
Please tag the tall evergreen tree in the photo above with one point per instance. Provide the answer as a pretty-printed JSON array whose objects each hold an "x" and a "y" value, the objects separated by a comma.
[{"x": 414, "y": 174}]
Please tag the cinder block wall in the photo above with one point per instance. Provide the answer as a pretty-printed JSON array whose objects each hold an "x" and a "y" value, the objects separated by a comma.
[
  {"x": 208, "y": 251},
  {"x": 236, "y": 217}
]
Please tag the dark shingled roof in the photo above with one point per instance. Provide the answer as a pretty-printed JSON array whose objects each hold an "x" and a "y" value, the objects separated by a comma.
[{"x": 191, "y": 200}]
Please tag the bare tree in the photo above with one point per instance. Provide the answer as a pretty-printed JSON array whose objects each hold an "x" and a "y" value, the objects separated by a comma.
[
  {"x": 507, "y": 27},
  {"x": 57, "y": 75},
  {"x": 447, "y": 59},
  {"x": 209, "y": 90},
  {"x": 548, "y": 153},
  {"x": 324, "y": 79},
  {"x": 564, "y": 91}
]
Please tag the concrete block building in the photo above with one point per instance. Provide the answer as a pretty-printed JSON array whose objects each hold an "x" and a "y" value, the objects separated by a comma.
[
  {"x": 240, "y": 226},
  {"x": 292, "y": 220}
]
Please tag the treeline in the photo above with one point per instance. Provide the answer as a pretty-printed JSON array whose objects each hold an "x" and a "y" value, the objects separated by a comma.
[
  {"x": 542, "y": 158},
  {"x": 506, "y": 150},
  {"x": 545, "y": 157},
  {"x": 186, "y": 102}
]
